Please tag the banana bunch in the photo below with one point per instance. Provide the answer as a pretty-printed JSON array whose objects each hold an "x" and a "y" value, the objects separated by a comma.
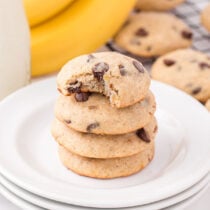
[{"x": 68, "y": 28}]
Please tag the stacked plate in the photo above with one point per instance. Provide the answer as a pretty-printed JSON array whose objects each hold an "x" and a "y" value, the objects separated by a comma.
[{"x": 33, "y": 177}]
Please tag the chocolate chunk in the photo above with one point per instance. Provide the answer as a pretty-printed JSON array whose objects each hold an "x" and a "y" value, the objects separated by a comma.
[
  {"x": 142, "y": 135},
  {"x": 90, "y": 57},
  {"x": 81, "y": 97},
  {"x": 196, "y": 90},
  {"x": 141, "y": 32},
  {"x": 122, "y": 70},
  {"x": 92, "y": 126},
  {"x": 204, "y": 65},
  {"x": 187, "y": 34},
  {"x": 99, "y": 70},
  {"x": 74, "y": 87},
  {"x": 68, "y": 121},
  {"x": 169, "y": 62},
  {"x": 138, "y": 66}
]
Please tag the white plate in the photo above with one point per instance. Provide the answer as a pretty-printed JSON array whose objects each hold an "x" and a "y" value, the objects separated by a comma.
[
  {"x": 24, "y": 204},
  {"x": 50, "y": 204},
  {"x": 28, "y": 154}
]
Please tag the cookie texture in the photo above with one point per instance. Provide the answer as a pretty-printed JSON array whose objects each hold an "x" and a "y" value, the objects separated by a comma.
[
  {"x": 104, "y": 146},
  {"x": 207, "y": 104},
  {"x": 187, "y": 69},
  {"x": 106, "y": 168},
  {"x": 95, "y": 115},
  {"x": 160, "y": 5},
  {"x": 205, "y": 17},
  {"x": 151, "y": 34},
  {"x": 121, "y": 78}
]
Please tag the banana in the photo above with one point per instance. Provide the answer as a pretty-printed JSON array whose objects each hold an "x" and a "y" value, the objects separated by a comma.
[
  {"x": 38, "y": 11},
  {"x": 81, "y": 28}
]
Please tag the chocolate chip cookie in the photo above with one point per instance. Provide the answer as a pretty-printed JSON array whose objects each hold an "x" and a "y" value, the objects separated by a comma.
[
  {"x": 187, "y": 69},
  {"x": 104, "y": 146},
  {"x": 122, "y": 79},
  {"x": 205, "y": 17},
  {"x": 149, "y": 34},
  {"x": 95, "y": 115},
  {"x": 160, "y": 5},
  {"x": 106, "y": 168}
]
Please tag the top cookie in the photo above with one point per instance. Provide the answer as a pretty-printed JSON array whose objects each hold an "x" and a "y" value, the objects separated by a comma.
[
  {"x": 205, "y": 17},
  {"x": 160, "y": 5},
  {"x": 186, "y": 69},
  {"x": 123, "y": 79},
  {"x": 151, "y": 34}
]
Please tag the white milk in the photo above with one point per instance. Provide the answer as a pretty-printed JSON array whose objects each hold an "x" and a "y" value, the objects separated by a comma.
[{"x": 14, "y": 47}]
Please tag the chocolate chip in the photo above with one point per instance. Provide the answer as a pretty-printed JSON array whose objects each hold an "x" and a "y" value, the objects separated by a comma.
[
  {"x": 99, "y": 69},
  {"x": 196, "y": 90},
  {"x": 142, "y": 135},
  {"x": 90, "y": 57},
  {"x": 169, "y": 62},
  {"x": 81, "y": 97},
  {"x": 187, "y": 34},
  {"x": 204, "y": 65},
  {"x": 74, "y": 87},
  {"x": 138, "y": 66},
  {"x": 141, "y": 32},
  {"x": 92, "y": 126},
  {"x": 68, "y": 121},
  {"x": 122, "y": 70}
]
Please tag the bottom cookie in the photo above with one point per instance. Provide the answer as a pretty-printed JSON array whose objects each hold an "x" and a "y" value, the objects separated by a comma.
[{"x": 106, "y": 168}]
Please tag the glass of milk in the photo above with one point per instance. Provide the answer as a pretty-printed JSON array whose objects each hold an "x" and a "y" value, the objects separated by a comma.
[{"x": 14, "y": 47}]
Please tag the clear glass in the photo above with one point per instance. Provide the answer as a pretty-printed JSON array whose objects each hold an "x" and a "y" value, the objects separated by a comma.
[{"x": 14, "y": 47}]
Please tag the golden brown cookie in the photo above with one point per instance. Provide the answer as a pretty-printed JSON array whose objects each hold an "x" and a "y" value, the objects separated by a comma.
[
  {"x": 95, "y": 115},
  {"x": 187, "y": 69},
  {"x": 104, "y": 146},
  {"x": 150, "y": 34},
  {"x": 157, "y": 5},
  {"x": 121, "y": 78},
  {"x": 205, "y": 17},
  {"x": 106, "y": 168}
]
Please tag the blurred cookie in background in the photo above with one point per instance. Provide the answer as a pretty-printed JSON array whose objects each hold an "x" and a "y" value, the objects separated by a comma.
[
  {"x": 160, "y": 5},
  {"x": 151, "y": 34},
  {"x": 205, "y": 17},
  {"x": 186, "y": 69}
]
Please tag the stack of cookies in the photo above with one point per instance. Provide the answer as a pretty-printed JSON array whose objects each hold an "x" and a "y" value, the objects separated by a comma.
[{"x": 105, "y": 123}]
